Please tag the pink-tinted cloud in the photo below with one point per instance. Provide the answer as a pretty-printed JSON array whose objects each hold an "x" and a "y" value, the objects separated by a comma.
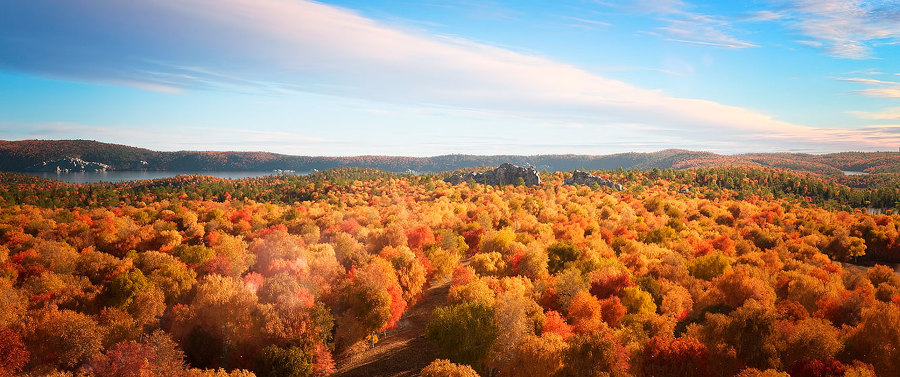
[{"x": 277, "y": 46}]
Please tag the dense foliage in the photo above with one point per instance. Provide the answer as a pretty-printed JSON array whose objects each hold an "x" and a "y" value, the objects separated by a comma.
[
  {"x": 707, "y": 272},
  {"x": 876, "y": 192}
]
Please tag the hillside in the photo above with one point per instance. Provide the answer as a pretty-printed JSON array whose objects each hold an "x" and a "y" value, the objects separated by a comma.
[
  {"x": 80, "y": 155},
  {"x": 708, "y": 272}
]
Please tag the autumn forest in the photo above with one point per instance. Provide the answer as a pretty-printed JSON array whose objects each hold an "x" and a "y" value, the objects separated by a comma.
[
  {"x": 709, "y": 272},
  {"x": 449, "y": 188}
]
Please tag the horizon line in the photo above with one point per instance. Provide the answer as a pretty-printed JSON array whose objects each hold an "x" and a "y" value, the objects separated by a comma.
[{"x": 450, "y": 154}]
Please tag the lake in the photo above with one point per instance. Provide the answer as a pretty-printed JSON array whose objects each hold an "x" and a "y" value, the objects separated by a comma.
[
  {"x": 855, "y": 173},
  {"x": 121, "y": 176}
]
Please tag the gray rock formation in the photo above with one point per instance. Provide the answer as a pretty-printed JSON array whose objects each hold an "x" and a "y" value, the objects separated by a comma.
[
  {"x": 584, "y": 178},
  {"x": 506, "y": 174},
  {"x": 69, "y": 165}
]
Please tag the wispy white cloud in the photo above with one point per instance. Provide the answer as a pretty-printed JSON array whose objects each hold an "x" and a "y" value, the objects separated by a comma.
[
  {"x": 881, "y": 92},
  {"x": 701, "y": 30},
  {"x": 876, "y": 132},
  {"x": 867, "y": 71},
  {"x": 878, "y": 88},
  {"x": 869, "y": 81},
  {"x": 586, "y": 23},
  {"x": 882, "y": 129},
  {"x": 815, "y": 44},
  {"x": 303, "y": 46},
  {"x": 845, "y": 28},
  {"x": 887, "y": 114},
  {"x": 763, "y": 15},
  {"x": 726, "y": 44},
  {"x": 686, "y": 26}
]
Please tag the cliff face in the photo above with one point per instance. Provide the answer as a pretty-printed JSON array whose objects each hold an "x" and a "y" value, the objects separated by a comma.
[
  {"x": 506, "y": 174},
  {"x": 69, "y": 165},
  {"x": 584, "y": 178}
]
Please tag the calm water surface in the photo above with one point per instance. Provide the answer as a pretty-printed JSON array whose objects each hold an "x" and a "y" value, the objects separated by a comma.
[{"x": 121, "y": 176}]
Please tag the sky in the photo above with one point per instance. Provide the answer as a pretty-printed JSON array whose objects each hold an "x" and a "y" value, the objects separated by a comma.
[{"x": 434, "y": 77}]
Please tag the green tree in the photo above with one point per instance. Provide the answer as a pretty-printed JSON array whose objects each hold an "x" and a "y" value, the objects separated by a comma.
[
  {"x": 275, "y": 361},
  {"x": 638, "y": 301},
  {"x": 463, "y": 333},
  {"x": 194, "y": 255},
  {"x": 125, "y": 286},
  {"x": 167, "y": 273},
  {"x": 560, "y": 254},
  {"x": 709, "y": 266}
]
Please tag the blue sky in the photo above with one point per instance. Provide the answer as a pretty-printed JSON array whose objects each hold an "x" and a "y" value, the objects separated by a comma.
[{"x": 454, "y": 76}]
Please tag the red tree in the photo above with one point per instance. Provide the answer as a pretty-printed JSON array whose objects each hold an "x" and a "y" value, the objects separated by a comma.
[
  {"x": 555, "y": 323},
  {"x": 818, "y": 368},
  {"x": 13, "y": 355},
  {"x": 612, "y": 310},
  {"x": 672, "y": 357},
  {"x": 125, "y": 359},
  {"x": 419, "y": 237}
]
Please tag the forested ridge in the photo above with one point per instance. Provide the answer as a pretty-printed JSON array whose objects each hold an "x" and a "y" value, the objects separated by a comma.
[
  {"x": 738, "y": 271},
  {"x": 30, "y": 155},
  {"x": 881, "y": 191}
]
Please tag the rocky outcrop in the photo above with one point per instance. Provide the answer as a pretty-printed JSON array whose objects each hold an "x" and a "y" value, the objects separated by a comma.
[
  {"x": 69, "y": 165},
  {"x": 506, "y": 174},
  {"x": 584, "y": 178}
]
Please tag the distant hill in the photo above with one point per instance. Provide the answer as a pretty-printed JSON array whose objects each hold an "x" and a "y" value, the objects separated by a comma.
[{"x": 78, "y": 155}]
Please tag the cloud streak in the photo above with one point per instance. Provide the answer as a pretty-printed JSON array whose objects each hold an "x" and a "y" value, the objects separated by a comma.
[
  {"x": 586, "y": 23},
  {"x": 845, "y": 28},
  {"x": 686, "y": 26},
  {"x": 887, "y": 114},
  {"x": 278, "y": 46},
  {"x": 701, "y": 30},
  {"x": 879, "y": 89}
]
